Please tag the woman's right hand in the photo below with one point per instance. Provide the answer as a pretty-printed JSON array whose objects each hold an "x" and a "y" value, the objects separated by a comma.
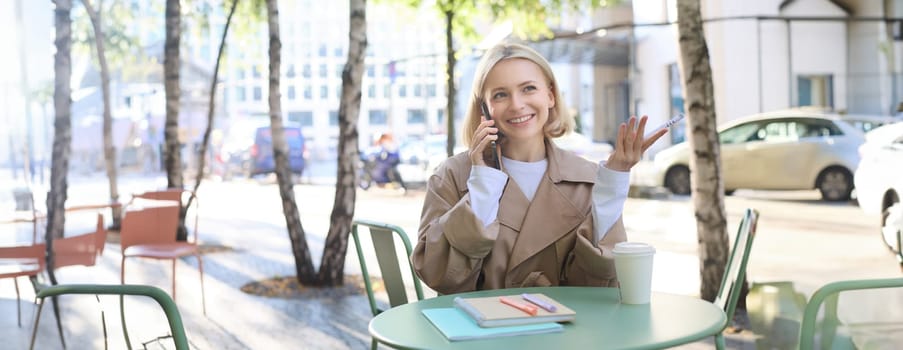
[{"x": 479, "y": 147}]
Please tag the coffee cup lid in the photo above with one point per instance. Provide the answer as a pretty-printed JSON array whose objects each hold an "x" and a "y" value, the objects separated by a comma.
[{"x": 633, "y": 248}]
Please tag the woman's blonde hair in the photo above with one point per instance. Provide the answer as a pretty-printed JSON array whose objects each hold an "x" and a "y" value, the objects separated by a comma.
[{"x": 559, "y": 122}]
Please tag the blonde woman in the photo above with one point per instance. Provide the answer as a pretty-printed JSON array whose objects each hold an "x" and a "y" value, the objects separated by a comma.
[{"x": 546, "y": 216}]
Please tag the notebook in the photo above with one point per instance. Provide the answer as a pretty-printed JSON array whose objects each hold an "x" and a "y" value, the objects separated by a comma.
[
  {"x": 456, "y": 325},
  {"x": 490, "y": 312}
]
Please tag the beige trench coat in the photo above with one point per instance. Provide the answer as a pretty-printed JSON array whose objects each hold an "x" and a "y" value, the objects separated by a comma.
[{"x": 546, "y": 242}]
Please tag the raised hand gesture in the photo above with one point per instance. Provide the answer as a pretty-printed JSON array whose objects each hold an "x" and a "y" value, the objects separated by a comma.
[{"x": 631, "y": 144}]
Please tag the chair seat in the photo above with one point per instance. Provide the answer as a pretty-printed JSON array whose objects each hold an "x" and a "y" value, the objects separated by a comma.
[
  {"x": 161, "y": 250},
  {"x": 18, "y": 267}
]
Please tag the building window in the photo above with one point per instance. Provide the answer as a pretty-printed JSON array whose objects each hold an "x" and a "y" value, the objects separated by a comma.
[
  {"x": 308, "y": 93},
  {"x": 255, "y": 71},
  {"x": 679, "y": 131},
  {"x": 371, "y": 72},
  {"x": 815, "y": 90},
  {"x": 258, "y": 93},
  {"x": 416, "y": 116},
  {"x": 291, "y": 92},
  {"x": 338, "y": 70},
  {"x": 304, "y": 118},
  {"x": 387, "y": 91},
  {"x": 333, "y": 118},
  {"x": 290, "y": 72},
  {"x": 322, "y": 51},
  {"x": 324, "y": 92},
  {"x": 371, "y": 91},
  {"x": 305, "y": 71},
  {"x": 431, "y": 90},
  {"x": 418, "y": 90},
  {"x": 240, "y": 73},
  {"x": 323, "y": 72},
  {"x": 338, "y": 52},
  {"x": 377, "y": 117},
  {"x": 240, "y": 93},
  {"x": 402, "y": 91}
]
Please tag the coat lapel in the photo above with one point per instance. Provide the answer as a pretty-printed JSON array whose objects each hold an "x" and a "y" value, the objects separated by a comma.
[{"x": 552, "y": 213}]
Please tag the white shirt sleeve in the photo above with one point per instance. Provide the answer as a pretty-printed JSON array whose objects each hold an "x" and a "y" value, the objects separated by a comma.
[
  {"x": 609, "y": 195},
  {"x": 486, "y": 185}
]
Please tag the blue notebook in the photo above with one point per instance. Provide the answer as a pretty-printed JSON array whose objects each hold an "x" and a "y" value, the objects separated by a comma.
[{"x": 457, "y": 325}]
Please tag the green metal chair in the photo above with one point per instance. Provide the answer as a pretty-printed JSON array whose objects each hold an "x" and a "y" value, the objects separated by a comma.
[
  {"x": 828, "y": 295},
  {"x": 735, "y": 270},
  {"x": 169, "y": 307},
  {"x": 382, "y": 236}
]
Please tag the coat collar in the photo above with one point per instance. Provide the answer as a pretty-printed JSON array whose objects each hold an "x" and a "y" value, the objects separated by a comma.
[{"x": 536, "y": 226}]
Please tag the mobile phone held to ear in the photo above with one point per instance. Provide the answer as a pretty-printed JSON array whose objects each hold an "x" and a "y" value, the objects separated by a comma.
[{"x": 494, "y": 158}]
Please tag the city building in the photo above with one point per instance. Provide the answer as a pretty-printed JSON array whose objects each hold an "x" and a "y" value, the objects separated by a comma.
[{"x": 843, "y": 55}]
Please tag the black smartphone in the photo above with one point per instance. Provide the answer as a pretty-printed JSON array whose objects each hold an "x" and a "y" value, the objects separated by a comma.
[{"x": 493, "y": 158}]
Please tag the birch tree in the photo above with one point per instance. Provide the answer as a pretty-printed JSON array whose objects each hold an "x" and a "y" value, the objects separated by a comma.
[
  {"x": 109, "y": 150},
  {"x": 172, "y": 158},
  {"x": 332, "y": 265},
  {"x": 707, "y": 183},
  {"x": 211, "y": 104}
]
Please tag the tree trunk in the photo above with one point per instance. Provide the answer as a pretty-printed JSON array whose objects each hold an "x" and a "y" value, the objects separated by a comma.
[
  {"x": 707, "y": 182},
  {"x": 109, "y": 149},
  {"x": 332, "y": 265},
  {"x": 211, "y": 105},
  {"x": 172, "y": 158},
  {"x": 172, "y": 155},
  {"x": 303, "y": 261},
  {"x": 62, "y": 126},
  {"x": 450, "y": 76}
]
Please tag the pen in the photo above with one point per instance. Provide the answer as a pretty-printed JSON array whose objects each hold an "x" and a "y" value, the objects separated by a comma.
[
  {"x": 667, "y": 124},
  {"x": 539, "y": 302},
  {"x": 529, "y": 309}
]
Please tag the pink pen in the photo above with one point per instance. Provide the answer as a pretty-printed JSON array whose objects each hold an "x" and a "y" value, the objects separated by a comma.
[
  {"x": 529, "y": 309},
  {"x": 539, "y": 302}
]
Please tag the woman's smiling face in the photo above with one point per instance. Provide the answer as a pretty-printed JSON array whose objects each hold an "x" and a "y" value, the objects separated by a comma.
[{"x": 519, "y": 98}]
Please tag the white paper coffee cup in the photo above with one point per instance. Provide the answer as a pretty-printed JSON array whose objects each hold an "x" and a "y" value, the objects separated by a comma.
[{"x": 633, "y": 263}]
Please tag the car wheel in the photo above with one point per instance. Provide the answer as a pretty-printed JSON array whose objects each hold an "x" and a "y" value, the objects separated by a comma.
[
  {"x": 891, "y": 216},
  {"x": 677, "y": 180},
  {"x": 729, "y": 192},
  {"x": 835, "y": 184}
]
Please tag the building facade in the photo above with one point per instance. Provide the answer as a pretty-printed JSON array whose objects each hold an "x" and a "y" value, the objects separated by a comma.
[{"x": 843, "y": 55}]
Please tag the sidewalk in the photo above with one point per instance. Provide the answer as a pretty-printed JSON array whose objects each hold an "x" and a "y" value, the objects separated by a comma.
[{"x": 260, "y": 250}]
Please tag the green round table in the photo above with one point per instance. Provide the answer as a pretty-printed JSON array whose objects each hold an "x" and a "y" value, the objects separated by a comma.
[{"x": 602, "y": 322}]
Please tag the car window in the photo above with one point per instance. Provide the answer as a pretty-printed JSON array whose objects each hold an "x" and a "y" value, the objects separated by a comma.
[
  {"x": 817, "y": 128},
  {"x": 865, "y": 125},
  {"x": 778, "y": 131},
  {"x": 739, "y": 133}
]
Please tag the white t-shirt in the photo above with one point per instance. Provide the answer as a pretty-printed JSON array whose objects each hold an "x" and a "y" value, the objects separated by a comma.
[{"x": 486, "y": 185}]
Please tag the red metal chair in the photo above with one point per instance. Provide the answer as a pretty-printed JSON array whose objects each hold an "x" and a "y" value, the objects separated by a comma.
[
  {"x": 149, "y": 227},
  {"x": 21, "y": 261}
]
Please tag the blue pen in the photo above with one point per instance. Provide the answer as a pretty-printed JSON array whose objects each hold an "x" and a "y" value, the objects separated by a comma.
[{"x": 539, "y": 302}]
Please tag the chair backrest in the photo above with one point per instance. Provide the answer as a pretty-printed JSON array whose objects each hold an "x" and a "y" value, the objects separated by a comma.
[
  {"x": 828, "y": 294},
  {"x": 735, "y": 270},
  {"x": 181, "y": 196},
  {"x": 23, "y": 256},
  {"x": 383, "y": 238},
  {"x": 173, "y": 316},
  {"x": 149, "y": 222},
  {"x": 81, "y": 249}
]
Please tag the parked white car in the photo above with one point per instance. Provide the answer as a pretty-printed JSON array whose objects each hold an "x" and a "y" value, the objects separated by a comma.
[
  {"x": 421, "y": 157},
  {"x": 783, "y": 150},
  {"x": 879, "y": 181},
  {"x": 584, "y": 146}
]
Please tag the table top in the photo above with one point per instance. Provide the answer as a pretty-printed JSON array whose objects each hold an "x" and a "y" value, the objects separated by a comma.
[{"x": 602, "y": 322}]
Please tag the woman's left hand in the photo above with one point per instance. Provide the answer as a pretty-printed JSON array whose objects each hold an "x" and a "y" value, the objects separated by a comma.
[{"x": 631, "y": 144}]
